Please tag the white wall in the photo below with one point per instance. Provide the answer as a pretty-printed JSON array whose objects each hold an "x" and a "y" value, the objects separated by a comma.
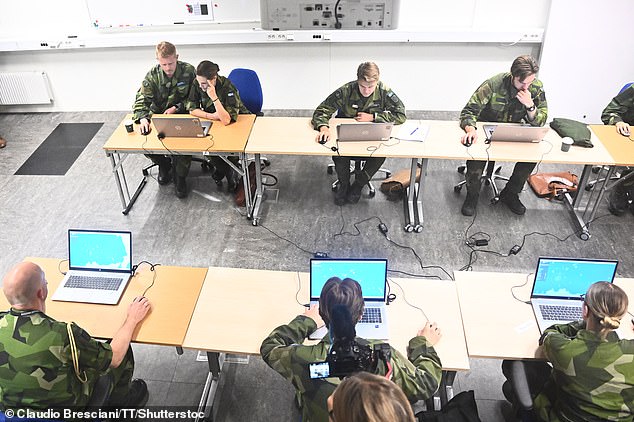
[{"x": 428, "y": 76}]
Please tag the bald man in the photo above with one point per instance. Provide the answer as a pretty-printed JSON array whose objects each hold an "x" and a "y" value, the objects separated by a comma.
[{"x": 36, "y": 364}]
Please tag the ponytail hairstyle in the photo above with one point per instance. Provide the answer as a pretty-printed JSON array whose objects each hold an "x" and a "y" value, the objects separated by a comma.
[{"x": 607, "y": 303}]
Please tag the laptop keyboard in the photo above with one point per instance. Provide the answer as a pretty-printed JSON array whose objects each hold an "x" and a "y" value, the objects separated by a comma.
[
  {"x": 88, "y": 282},
  {"x": 560, "y": 312},
  {"x": 371, "y": 316}
]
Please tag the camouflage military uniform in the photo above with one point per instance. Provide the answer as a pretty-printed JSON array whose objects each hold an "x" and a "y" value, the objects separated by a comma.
[
  {"x": 592, "y": 379},
  {"x": 494, "y": 101},
  {"x": 347, "y": 101},
  {"x": 36, "y": 369},
  {"x": 418, "y": 375},
  {"x": 621, "y": 109},
  {"x": 157, "y": 94},
  {"x": 230, "y": 99}
]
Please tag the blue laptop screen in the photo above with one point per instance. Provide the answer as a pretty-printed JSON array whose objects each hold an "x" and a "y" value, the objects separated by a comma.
[
  {"x": 570, "y": 278},
  {"x": 369, "y": 273},
  {"x": 100, "y": 250}
]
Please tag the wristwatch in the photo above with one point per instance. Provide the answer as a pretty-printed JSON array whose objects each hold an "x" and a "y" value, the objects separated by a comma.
[{"x": 532, "y": 108}]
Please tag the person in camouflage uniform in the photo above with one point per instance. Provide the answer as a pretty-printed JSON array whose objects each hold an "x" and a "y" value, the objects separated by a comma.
[
  {"x": 418, "y": 375},
  {"x": 165, "y": 90},
  {"x": 592, "y": 376},
  {"x": 620, "y": 113},
  {"x": 512, "y": 97},
  {"x": 214, "y": 97},
  {"x": 366, "y": 100},
  {"x": 36, "y": 366}
]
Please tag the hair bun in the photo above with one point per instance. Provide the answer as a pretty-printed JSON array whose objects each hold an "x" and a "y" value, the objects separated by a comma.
[{"x": 611, "y": 322}]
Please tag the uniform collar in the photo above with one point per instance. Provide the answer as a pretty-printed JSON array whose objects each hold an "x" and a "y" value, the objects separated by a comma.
[
  {"x": 23, "y": 312},
  {"x": 588, "y": 335}
]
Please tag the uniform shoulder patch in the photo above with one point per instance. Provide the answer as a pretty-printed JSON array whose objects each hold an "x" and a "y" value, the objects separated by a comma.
[{"x": 146, "y": 84}]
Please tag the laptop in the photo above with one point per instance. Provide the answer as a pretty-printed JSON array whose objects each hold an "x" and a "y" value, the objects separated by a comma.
[
  {"x": 364, "y": 131},
  {"x": 515, "y": 133},
  {"x": 559, "y": 285},
  {"x": 100, "y": 265},
  {"x": 181, "y": 127},
  {"x": 371, "y": 274}
]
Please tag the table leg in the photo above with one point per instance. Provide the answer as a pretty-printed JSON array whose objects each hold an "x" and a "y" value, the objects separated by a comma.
[
  {"x": 259, "y": 193},
  {"x": 410, "y": 213},
  {"x": 419, "y": 195},
  {"x": 211, "y": 384},
  {"x": 115, "y": 172}
]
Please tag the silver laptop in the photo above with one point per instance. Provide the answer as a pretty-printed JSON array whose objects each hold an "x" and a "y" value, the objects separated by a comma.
[
  {"x": 364, "y": 131},
  {"x": 515, "y": 133},
  {"x": 100, "y": 265},
  {"x": 560, "y": 284},
  {"x": 371, "y": 274},
  {"x": 181, "y": 127}
]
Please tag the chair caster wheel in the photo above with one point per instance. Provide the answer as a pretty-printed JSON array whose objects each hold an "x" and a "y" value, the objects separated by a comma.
[
  {"x": 588, "y": 188},
  {"x": 267, "y": 162},
  {"x": 596, "y": 169},
  {"x": 388, "y": 174},
  {"x": 418, "y": 228},
  {"x": 408, "y": 228},
  {"x": 584, "y": 236},
  {"x": 329, "y": 170},
  {"x": 461, "y": 169},
  {"x": 371, "y": 194},
  {"x": 495, "y": 200},
  {"x": 457, "y": 189}
]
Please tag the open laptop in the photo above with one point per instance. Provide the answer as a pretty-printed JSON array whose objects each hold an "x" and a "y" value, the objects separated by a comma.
[
  {"x": 181, "y": 127},
  {"x": 364, "y": 131},
  {"x": 559, "y": 286},
  {"x": 515, "y": 133},
  {"x": 371, "y": 274},
  {"x": 100, "y": 265}
]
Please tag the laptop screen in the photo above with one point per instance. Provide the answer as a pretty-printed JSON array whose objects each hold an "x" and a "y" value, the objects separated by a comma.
[
  {"x": 568, "y": 278},
  {"x": 369, "y": 273},
  {"x": 100, "y": 250}
]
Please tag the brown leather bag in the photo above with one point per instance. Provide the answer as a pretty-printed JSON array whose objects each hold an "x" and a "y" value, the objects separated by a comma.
[
  {"x": 553, "y": 185},
  {"x": 240, "y": 197},
  {"x": 396, "y": 185}
]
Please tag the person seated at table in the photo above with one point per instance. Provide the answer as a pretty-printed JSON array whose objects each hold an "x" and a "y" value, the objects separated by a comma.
[
  {"x": 620, "y": 113},
  {"x": 365, "y": 397},
  {"x": 214, "y": 97},
  {"x": 418, "y": 375},
  {"x": 164, "y": 90},
  {"x": 512, "y": 97},
  {"x": 592, "y": 375},
  {"x": 37, "y": 352},
  {"x": 366, "y": 100}
]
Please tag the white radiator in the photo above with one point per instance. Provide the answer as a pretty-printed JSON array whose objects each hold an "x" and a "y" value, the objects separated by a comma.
[{"x": 24, "y": 88}]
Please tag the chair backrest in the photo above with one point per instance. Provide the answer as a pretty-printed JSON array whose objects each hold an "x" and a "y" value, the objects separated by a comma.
[
  {"x": 626, "y": 86},
  {"x": 248, "y": 85}
]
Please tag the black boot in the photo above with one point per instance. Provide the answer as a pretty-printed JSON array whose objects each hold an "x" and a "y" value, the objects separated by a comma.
[
  {"x": 512, "y": 200},
  {"x": 354, "y": 193},
  {"x": 470, "y": 204},
  {"x": 165, "y": 172},
  {"x": 181, "y": 186},
  {"x": 341, "y": 193}
]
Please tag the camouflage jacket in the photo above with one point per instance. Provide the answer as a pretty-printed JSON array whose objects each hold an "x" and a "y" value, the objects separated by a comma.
[
  {"x": 592, "y": 379},
  {"x": 158, "y": 92},
  {"x": 227, "y": 94},
  {"x": 418, "y": 375},
  {"x": 494, "y": 101},
  {"x": 347, "y": 102},
  {"x": 620, "y": 109},
  {"x": 36, "y": 368}
]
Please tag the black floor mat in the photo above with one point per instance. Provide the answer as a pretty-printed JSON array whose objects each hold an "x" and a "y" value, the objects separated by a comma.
[{"x": 60, "y": 149}]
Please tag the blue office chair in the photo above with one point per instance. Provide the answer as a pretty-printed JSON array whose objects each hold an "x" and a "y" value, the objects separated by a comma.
[
  {"x": 248, "y": 85},
  {"x": 619, "y": 172}
]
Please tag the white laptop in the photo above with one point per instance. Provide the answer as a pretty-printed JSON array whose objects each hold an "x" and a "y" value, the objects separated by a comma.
[
  {"x": 560, "y": 284},
  {"x": 364, "y": 131},
  {"x": 515, "y": 133},
  {"x": 100, "y": 265},
  {"x": 371, "y": 274},
  {"x": 181, "y": 127}
]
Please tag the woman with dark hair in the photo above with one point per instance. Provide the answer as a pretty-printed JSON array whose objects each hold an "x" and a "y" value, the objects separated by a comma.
[{"x": 214, "y": 97}]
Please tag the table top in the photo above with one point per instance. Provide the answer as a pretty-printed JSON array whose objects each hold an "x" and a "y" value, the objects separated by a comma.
[
  {"x": 620, "y": 147},
  {"x": 238, "y": 308},
  {"x": 498, "y": 326},
  {"x": 230, "y": 138},
  {"x": 173, "y": 298}
]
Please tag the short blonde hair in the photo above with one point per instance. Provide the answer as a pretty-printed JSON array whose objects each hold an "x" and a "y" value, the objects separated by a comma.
[
  {"x": 365, "y": 397},
  {"x": 165, "y": 49},
  {"x": 368, "y": 72},
  {"x": 607, "y": 304}
]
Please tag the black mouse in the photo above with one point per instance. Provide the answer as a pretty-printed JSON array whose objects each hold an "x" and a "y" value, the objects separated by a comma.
[
  {"x": 467, "y": 142},
  {"x": 145, "y": 131},
  {"x": 322, "y": 140}
]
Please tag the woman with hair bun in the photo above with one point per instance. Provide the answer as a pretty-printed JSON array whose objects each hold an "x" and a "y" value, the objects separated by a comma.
[{"x": 592, "y": 377}]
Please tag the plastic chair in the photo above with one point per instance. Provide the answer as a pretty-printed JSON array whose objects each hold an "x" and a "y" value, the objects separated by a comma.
[
  {"x": 249, "y": 87},
  {"x": 489, "y": 176}
]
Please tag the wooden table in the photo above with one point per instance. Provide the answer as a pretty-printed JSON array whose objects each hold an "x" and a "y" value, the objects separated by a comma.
[
  {"x": 173, "y": 298},
  {"x": 222, "y": 140}
]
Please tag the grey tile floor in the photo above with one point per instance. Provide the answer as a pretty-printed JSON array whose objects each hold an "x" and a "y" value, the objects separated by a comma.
[{"x": 207, "y": 229}]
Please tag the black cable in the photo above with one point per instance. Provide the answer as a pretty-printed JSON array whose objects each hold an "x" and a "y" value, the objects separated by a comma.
[
  {"x": 406, "y": 301},
  {"x": 299, "y": 287},
  {"x": 287, "y": 240},
  {"x": 152, "y": 268},
  {"x": 528, "y": 302},
  {"x": 338, "y": 25},
  {"x": 543, "y": 155},
  {"x": 413, "y": 275},
  {"x": 59, "y": 266},
  {"x": 374, "y": 148}
]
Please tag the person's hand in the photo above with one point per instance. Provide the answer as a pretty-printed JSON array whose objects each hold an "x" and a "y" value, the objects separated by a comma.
[
  {"x": 364, "y": 117},
  {"x": 171, "y": 110},
  {"x": 211, "y": 88},
  {"x": 324, "y": 135},
  {"x": 313, "y": 313},
  {"x": 524, "y": 97},
  {"x": 623, "y": 128},
  {"x": 470, "y": 136},
  {"x": 144, "y": 126},
  {"x": 431, "y": 332},
  {"x": 138, "y": 309}
]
